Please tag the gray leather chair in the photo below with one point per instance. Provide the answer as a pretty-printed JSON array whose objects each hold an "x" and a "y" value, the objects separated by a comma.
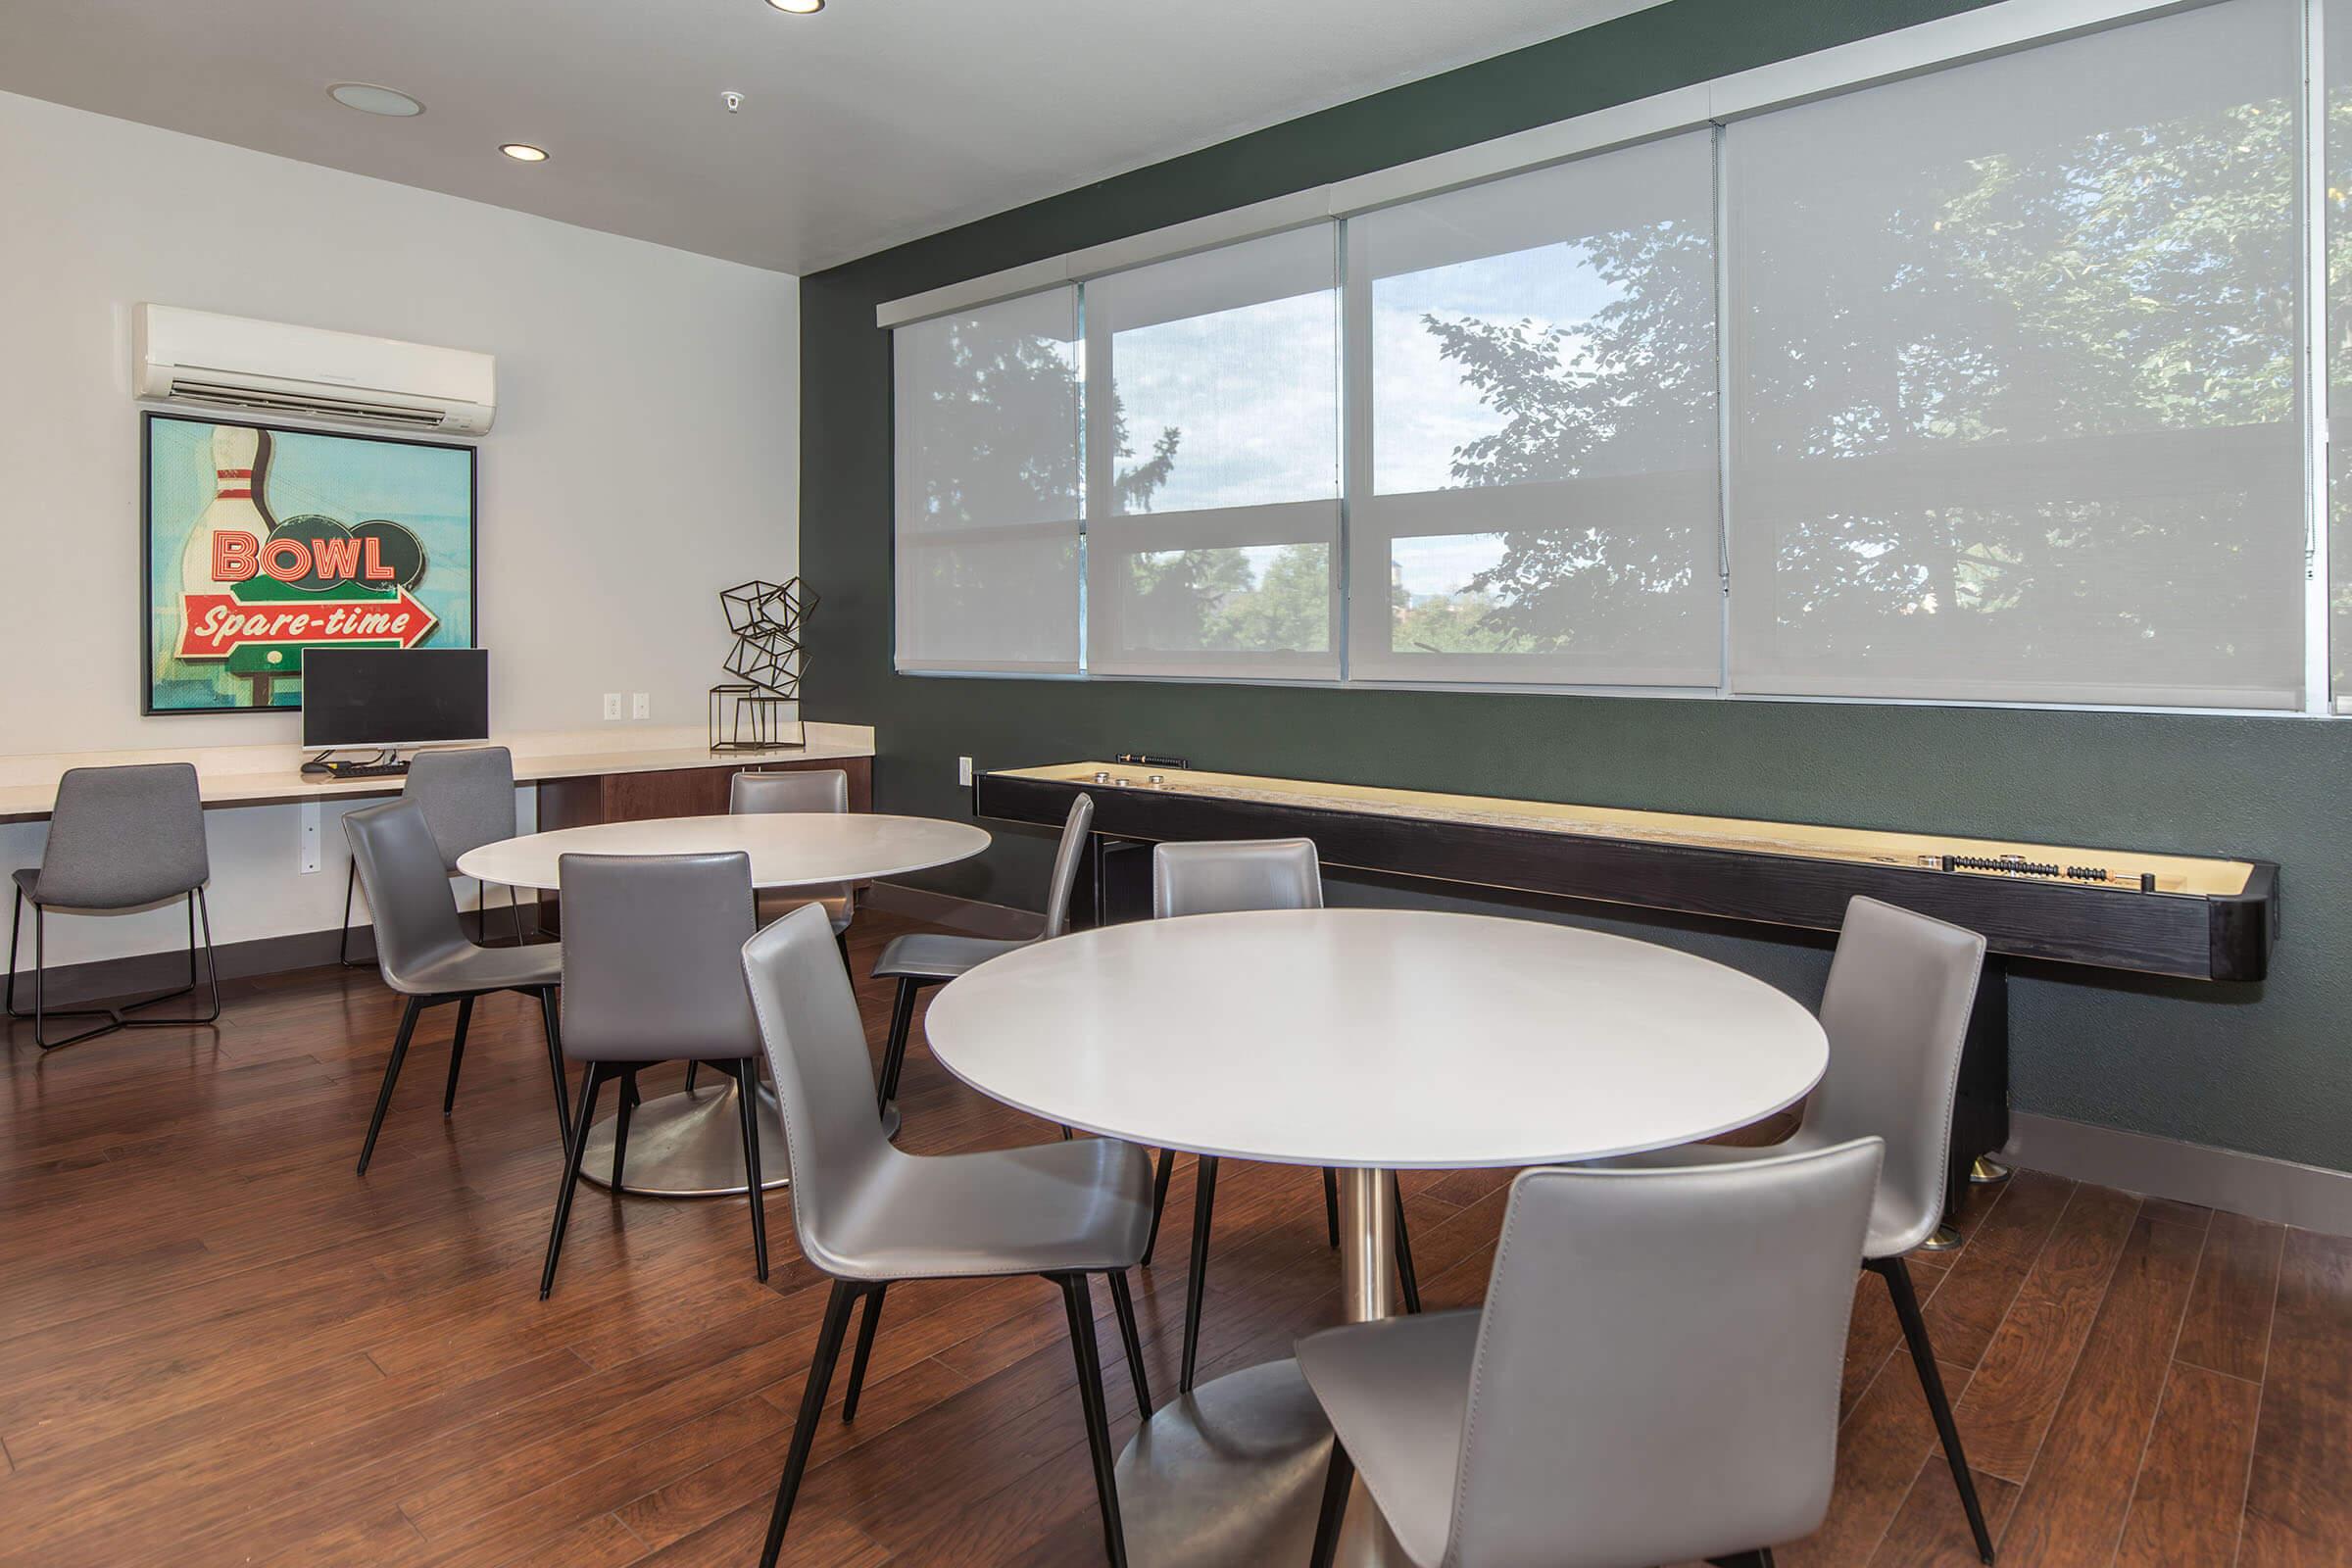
[
  {"x": 652, "y": 973},
  {"x": 802, "y": 790},
  {"x": 1900, "y": 991},
  {"x": 932, "y": 957},
  {"x": 1219, "y": 877},
  {"x": 1653, "y": 1377},
  {"x": 869, "y": 1214},
  {"x": 423, "y": 953},
  {"x": 468, "y": 801},
  {"x": 120, "y": 839}
]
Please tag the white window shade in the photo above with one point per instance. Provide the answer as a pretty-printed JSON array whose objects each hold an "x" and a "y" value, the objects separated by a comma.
[
  {"x": 2014, "y": 377},
  {"x": 1534, "y": 480},
  {"x": 1212, "y": 463},
  {"x": 987, "y": 508},
  {"x": 2337, "y": 31}
]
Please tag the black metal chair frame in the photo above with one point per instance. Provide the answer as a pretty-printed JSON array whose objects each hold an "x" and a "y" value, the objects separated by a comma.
[
  {"x": 601, "y": 1073},
  {"x": 414, "y": 1008},
  {"x": 42, "y": 1012},
  {"x": 1077, "y": 1298}
]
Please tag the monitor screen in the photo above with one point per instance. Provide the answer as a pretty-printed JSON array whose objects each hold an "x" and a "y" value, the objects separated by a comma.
[{"x": 394, "y": 696}]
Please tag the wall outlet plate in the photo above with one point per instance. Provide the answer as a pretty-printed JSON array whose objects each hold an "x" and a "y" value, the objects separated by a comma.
[
  {"x": 963, "y": 772},
  {"x": 611, "y": 705},
  {"x": 641, "y": 704}
]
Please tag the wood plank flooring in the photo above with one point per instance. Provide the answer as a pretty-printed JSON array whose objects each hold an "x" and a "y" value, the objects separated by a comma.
[{"x": 219, "y": 1345}]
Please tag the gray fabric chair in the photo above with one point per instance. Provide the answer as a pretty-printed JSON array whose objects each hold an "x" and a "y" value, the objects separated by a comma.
[
  {"x": 870, "y": 1216},
  {"x": 120, "y": 839},
  {"x": 932, "y": 957},
  {"x": 468, "y": 801},
  {"x": 1653, "y": 1377},
  {"x": 1902, "y": 988},
  {"x": 652, "y": 973},
  {"x": 802, "y": 790},
  {"x": 423, "y": 953},
  {"x": 1219, "y": 877}
]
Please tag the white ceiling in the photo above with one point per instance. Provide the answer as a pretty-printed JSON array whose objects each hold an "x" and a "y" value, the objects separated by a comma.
[{"x": 871, "y": 123}]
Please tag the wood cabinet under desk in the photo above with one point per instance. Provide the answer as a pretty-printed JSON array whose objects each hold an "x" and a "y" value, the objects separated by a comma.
[{"x": 585, "y": 799}]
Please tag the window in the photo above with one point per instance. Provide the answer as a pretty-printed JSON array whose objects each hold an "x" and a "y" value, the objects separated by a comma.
[
  {"x": 2013, "y": 386},
  {"x": 1534, "y": 486},
  {"x": 2337, "y": 31},
  {"x": 1212, "y": 482},
  {"x": 1982, "y": 382},
  {"x": 987, "y": 538}
]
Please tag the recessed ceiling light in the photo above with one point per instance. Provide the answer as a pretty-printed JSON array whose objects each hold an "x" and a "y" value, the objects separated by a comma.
[
  {"x": 370, "y": 99},
  {"x": 799, "y": 8},
  {"x": 522, "y": 152}
]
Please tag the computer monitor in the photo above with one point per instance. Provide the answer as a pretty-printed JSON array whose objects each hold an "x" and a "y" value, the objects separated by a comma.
[{"x": 390, "y": 697}]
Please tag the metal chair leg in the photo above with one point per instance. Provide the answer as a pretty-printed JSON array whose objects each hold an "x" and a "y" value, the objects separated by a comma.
[
  {"x": 1078, "y": 1302},
  {"x": 514, "y": 912},
  {"x": 598, "y": 1072},
  {"x": 351, "y": 880},
  {"x": 1331, "y": 1205},
  {"x": 1122, "y": 1303},
  {"x": 196, "y": 902},
  {"x": 866, "y": 1324},
  {"x": 812, "y": 1408},
  {"x": 1405, "y": 1278},
  {"x": 621, "y": 1126},
  {"x": 893, "y": 1050},
  {"x": 1897, "y": 1275},
  {"x": 457, "y": 1055},
  {"x": 1159, "y": 1202},
  {"x": 1204, "y": 1203},
  {"x": 554, "y": 1061},
  {"x": 383, "y": 1096},
  {"x": 1337, "y": 1482},
  {"x": 746, "y": 1104},
  {"x": 41, "y": 1011}
]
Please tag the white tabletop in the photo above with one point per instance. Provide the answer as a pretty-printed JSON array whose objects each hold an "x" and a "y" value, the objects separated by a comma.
[
  {"x": 788, "y": 849},
  {"x": 1376, "y": 1038}
]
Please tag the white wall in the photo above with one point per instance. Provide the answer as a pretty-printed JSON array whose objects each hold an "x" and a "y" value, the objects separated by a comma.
[{"x": 646, "y": 452}]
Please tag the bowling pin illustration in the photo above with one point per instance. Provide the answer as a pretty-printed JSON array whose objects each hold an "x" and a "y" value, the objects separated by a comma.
[{"x": 240, "y": 471}]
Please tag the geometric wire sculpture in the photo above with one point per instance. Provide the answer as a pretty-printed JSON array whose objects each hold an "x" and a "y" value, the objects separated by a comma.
[{"x": 746, "y": 714}]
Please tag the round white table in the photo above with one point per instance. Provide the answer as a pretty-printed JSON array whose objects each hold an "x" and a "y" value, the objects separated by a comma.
[
  {"x": 688, "y": 1144},
  {"x": 1369, "y": 1040}
]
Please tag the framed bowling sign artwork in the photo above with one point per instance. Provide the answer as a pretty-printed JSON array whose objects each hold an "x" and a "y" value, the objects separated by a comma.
[{"x": 263, "y": 541}]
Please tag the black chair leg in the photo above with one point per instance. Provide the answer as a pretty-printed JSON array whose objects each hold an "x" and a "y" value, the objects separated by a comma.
[
  {"x": 694, "y": 1070},
  {"x": 351, "y": 880},
  {"x": 1159, "y": 1202},
  {"x": 893, "y": 1050},
  {"x": 812, "y": 1408},
  {"x": 383, "y": 1096},
  {"x": 747, "y": 1099},
  {"x": 1204, "y": 1203},
  {"x": 42, "y": 1012},
  {"x": 1122, "y": 1303},
  {"x": 1897, "y": 1275},
  {"x": 196, "y": 902},
  {"x": 1404, "y": 1249},
  {"x": 598, "y": 1072},
  {"x": 1331, "y": 1205},
  {"x": 1078, "y": 1302},
  {"x": 514, "y": 912},
  {"x": 1337, "y": 1482},
  {"x": 555, "y": 1062},
  {"x": 457, "y": 1055},
  {"x": 841, "y": 941},
  {"x": 620, "y": 1125},
  {"x": 867, "y": 1322}
]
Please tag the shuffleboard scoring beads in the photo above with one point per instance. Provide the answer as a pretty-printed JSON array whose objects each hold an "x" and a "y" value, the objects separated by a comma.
[{"x": 2019, "y": 865}]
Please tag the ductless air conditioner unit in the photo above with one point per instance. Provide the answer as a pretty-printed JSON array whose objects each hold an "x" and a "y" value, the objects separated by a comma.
[{"x": 230, "y": 362}]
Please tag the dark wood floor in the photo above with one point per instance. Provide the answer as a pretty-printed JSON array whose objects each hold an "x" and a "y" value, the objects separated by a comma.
[{"x": 218, "y": 1346}]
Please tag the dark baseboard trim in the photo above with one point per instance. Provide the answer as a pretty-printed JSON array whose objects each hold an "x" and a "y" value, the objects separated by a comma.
[
  {"x": 105, "y": 980},
  {"x": 2307, "y": 1195}
]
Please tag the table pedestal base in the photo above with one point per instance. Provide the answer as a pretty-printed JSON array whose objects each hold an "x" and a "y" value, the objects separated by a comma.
[{"x": 1230, "y": 1476}]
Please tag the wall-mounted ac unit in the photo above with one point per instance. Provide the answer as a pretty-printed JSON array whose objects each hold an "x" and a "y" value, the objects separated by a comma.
[{"x": 185, "y": 355}]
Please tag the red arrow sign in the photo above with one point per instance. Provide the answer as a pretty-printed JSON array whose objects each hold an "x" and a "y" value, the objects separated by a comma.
[{"x": 212, "y": 624}]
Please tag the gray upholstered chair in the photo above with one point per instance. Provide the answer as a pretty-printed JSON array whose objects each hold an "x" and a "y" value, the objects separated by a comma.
[
  {"x": 652, "y": 973},
  {"x": 1218, "y": 879},
  {"x": 869, "y": 1214},
  {"x": 922, "y": 959},
  {"x": 802, "y": 790},
  {"x": 120, "y": 839},
  {"x": 1653, "y": 1377},
  {"x": 468, "y": 801},
  {"x": 423, "y": 953},
  {"x": 1897, "y": 1010}
]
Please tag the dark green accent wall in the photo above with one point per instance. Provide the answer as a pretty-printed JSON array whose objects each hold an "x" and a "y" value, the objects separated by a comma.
[{"x": 2265, "y": 1068}]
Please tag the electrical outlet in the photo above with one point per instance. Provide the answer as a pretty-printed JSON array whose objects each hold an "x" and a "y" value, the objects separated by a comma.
[
  {"x": 611, "y": 705},
  {"x": 641, "y": 706},
  {"x": 963, "y": 770}
]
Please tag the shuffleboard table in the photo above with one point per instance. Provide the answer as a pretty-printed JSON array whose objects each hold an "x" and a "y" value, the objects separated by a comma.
[{"x": 2190, "y": 916}]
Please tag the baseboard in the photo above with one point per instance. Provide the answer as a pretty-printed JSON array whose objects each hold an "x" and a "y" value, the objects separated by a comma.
[
  {"x": 2308, "y": 1196},
  {"x": 981, "y": 919}
]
